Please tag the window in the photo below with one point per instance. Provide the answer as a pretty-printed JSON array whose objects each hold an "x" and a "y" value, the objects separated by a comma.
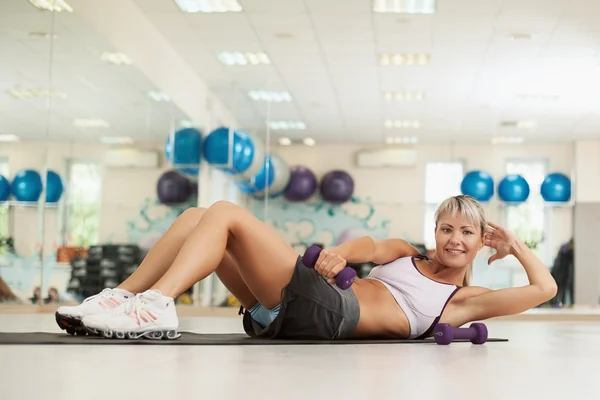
[
  {"x": 527, "y": 220},
  {"x": 442, "y": 180},
  {"x": 84, "y": 198}
]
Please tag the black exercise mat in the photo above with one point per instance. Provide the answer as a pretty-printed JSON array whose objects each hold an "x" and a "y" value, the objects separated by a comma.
[{"x": 192, "y": 339}]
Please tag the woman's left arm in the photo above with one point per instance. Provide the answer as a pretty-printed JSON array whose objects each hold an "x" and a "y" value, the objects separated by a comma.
[{"x": 493, "y": 303}]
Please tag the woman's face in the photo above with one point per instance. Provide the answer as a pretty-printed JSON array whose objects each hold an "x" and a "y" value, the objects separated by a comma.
[{"x": 457, "y": 241}]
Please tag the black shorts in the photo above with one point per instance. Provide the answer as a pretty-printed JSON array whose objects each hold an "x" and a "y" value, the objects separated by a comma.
[{"x": 311, "y": 308}]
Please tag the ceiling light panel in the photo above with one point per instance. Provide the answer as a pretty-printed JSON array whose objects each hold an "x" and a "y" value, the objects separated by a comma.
[
  {"x": 405, "y": 6},
  {"x": 287, "y": 125},
  {"x": 209, "y": 6},
  {"x": 91, "y": 123},
  {"x": 508, "y": 140},
  {"x": 309, "y": 142},
  {"x": 159, "y": 96},
  {"x": 116, "y": 140},
  {"x": 115, "y": 58},
  {"x": 7, "y": 137},
  {"x": 402, "y": 140},
  {"x": 270, "y": 96},
  {"x": 52, "y": 5},
  {"x": 35, "y": 93},
  {"x": 404, "y": 59},
  {"x": 239, "y": 58},
  {"x": 402, "y": 124},
  {"x": 404, "y": 95},
  {"x": 538, "y": 98},
  {"x": 285, "y": 141}
]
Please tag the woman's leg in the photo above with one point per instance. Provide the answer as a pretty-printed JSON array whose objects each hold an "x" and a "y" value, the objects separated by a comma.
[
  {"x": 163, "y": 253},
  {"x": 265, "y": 261}
]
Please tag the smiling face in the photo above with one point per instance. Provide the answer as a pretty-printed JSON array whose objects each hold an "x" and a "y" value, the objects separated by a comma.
[{"x": 460, "y": 223}]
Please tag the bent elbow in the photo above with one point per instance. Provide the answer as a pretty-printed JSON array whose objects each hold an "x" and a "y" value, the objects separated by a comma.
[{"x": 550, "y": 291}]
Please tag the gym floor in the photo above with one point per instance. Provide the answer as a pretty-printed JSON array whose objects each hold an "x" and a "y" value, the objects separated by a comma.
[{"x": 543, "y": 360}]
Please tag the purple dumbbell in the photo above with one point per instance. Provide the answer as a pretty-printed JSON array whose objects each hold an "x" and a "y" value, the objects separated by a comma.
[
  {"x": 343, "y": 280},
  {"x": 477, "y": 333}
]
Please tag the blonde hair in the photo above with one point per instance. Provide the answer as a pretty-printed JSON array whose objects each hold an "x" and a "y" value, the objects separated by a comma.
[{"x": 468, "y": 208}]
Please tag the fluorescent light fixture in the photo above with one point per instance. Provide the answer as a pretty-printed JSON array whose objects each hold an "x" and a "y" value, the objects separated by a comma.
[
  {"x": 287, "y": 125},
  {"x": 7, "y": 137},
  {"x": 521, "y": 36},
  {"x": 404, "y": 95},
  {"x": 270, "y": 96},
  {"x": 52, "y": 5},
  {"x": 115, "y": 58},
  {"x": 404, "y": 59},
  {"x": 239, "y": 58},
  {"x": 159, "y": 96},
  {"x": 508, "y": 140},
  {"x": 91, "y": 123},
  {"x": 401, "y": 140},
  {"x": 309, "y": 141},
  {"x": 43, "y": 35},
  {"x": 116, "y": 140},
  {"x": 208, "y": 6},
  {"x": 35, "y": 93},
  {"x": 526, "y": 124},
  {"x": 542, "y": 98},
  {"x": 405, "y": 6},
  {"x": 186, "y": 123},
  {"x": 402, "y": 123},
  {"x": 285, "y": 141}
]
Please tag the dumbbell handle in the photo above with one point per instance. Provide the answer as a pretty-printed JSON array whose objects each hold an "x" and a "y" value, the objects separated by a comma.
[
  {"x": 343, "y": 280},
  {"x": 463, "y": 333}
]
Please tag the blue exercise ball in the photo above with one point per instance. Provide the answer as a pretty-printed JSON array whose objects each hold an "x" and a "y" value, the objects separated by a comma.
[
  {"x": 27, "y": 185},
  {"x": 281, "y": 178},
  {"x": 513, "y": 189},
  {"x": 216, "y": 150},
  {"x": 4, "y": 188},
  {"x": 54, "y": 187},
  {"x": 478, "y": 184},
  {"x": 261, "y": 181},
  {"x": 556, "y": 187},
  {"x": 184, "y": 147}
]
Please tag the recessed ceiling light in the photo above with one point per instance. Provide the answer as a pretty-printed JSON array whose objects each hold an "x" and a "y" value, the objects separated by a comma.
[
  {"x": 7, "y": 137},
  {"x": 115, "y": 58},
  {"x": 401, "y": 140},
  {"x": 91, "y": 123},
  {"x": 159, "y": 96},
  {"x": 508, "y": 140},
  {"x": 239, "y": 58},
  {"x": 404, "y": 6},
  {"x": 402, "y": 123},
  {"x": 270, "y": 96},
  {"x": 404, "y": 59},
  {"x": 521, "y": 36},
  {"x": 186, "y": 123},
  {"x": 404, "y": 95},
  {"x": 287, "y": 125},
  {"x": 208, "y": 6},
  {"x": 116, "y": 140},
  {"x": 35, "y": 93},
  {"x": 285, "y": 141},
  {"x": 309, "y": 141},
  {"x": 43, "y": 35},
  {"x": 52, "y": 5}
]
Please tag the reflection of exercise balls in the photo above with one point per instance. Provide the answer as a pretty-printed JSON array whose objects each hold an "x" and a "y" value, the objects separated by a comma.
[
  {"x": 261, "y": 181},
  {"x": 337, "y": 186},
  {"x": 247, "y": 152},
  {"x": 27, "y": 185},
  {"x": 556, "y": 188},
  {"x": 4, "y": 188},
  {"x": 281, "y": 178},
  {"x": 350, "y": 234},
  {"x": 54, "y": 187},
  {"x": 173, "y": 188},
  {"x": 303, "y": 184},
  {"x": 513, "y": 189},
  {"x": 186, "y": 151},
  {"x": 478, "y": 184}
]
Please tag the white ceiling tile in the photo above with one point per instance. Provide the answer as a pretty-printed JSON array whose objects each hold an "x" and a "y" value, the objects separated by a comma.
[{"x": 288, "y": 7}]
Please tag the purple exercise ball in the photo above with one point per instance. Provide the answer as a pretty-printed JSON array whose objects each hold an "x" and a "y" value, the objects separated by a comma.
[
  {"x": 337, "y": 186},
  {"x": 173, "y": 188},
  {"x": 302, "y": 184}
]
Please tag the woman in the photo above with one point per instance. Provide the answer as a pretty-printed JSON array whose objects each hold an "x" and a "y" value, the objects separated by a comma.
[{"x": 404, "y": 297}]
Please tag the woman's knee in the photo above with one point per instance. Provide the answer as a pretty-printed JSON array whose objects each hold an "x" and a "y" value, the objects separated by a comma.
[{"x": 192, "y": 215}]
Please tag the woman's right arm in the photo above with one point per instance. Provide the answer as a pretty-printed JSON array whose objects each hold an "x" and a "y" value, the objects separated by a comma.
[{"x": 366, "y": 249}]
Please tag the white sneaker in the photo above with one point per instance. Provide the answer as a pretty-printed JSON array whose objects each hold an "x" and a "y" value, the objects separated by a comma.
[
  {"x": 148, "y": 314},
  {"x": 106, "y": 302}
]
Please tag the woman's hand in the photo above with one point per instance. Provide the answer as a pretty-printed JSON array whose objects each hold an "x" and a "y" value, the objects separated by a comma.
[
  {"x": 329, "y": 264},
  {"x": 499, "y": 239}
]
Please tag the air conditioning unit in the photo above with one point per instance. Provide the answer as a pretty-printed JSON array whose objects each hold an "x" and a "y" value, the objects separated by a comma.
[
  {"x": 394, "y": 158},
  {"x": 131, "y": 158}
]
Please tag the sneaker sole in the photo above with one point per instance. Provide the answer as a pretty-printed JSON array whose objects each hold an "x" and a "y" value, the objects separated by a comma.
[{"x": 72, "y": 325}]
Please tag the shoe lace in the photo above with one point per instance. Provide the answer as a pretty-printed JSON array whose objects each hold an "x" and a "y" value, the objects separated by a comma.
[
  {"x": 134, "y": 305},
  {"x": 104, "y": 293}
]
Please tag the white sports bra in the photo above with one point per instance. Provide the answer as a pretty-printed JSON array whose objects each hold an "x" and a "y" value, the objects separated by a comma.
[{"x": 421, "y": 298}]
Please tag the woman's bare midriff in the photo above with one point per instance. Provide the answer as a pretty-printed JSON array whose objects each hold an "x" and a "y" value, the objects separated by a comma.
[{"x": 380, "y": 314}]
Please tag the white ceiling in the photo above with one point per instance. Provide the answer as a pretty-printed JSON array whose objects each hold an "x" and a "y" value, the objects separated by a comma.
[{"x": 330, "y": 66}]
